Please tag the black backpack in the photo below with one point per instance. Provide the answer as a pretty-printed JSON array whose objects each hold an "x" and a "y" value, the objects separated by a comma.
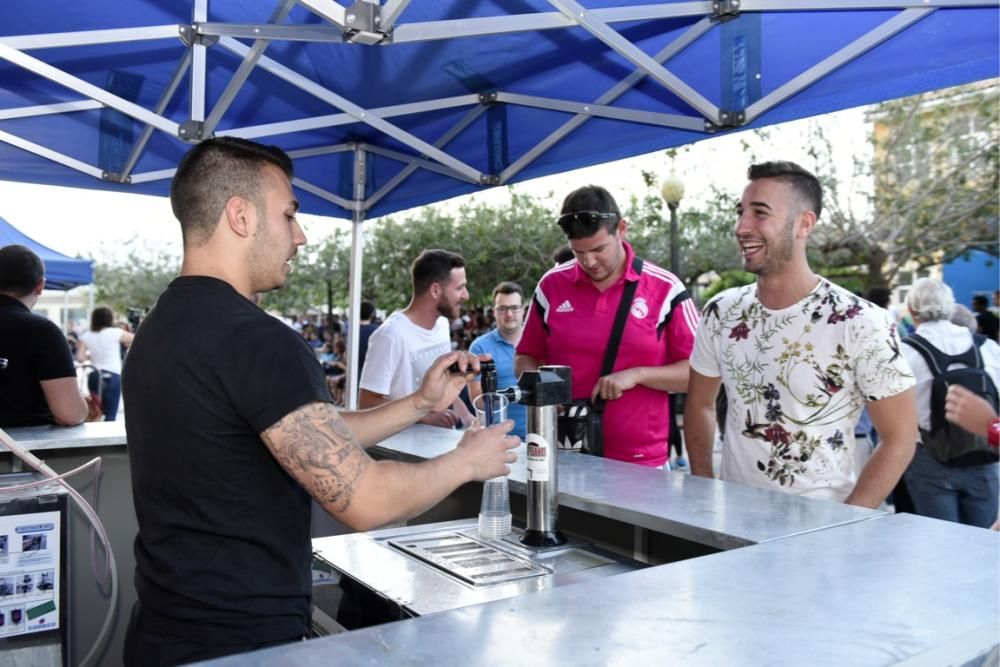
[{"x": 950, "y": 444}]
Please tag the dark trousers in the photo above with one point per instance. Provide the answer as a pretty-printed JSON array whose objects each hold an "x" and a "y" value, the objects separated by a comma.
[{"x": 147, "y": 645}]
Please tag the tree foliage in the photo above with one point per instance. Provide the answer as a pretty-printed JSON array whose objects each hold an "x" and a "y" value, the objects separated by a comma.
[
  {"x": 135, "y": 278},
  {"x": 512, "y": 242},
  {"x": 935, "y": 176}
]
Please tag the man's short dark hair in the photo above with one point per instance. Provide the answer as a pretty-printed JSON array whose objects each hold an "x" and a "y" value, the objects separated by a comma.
[
  {"x": 20, "y": 270},
  {"x": 213, "y": 172},
  {"x": 507, "y": 287},
  {"x": 367, "y": 310},
  {"x": 879, "y": 296},
  {"x": 981, "y": 300},
  {"x": 804, "y": 183},
  {"x": 562, "y": 254},
  {"x": 433, "y": 266},
  {"x": 588, "y": 199}
]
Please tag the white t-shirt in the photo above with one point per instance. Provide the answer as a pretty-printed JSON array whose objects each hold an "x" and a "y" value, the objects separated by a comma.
[
  {"x": 399, "y": 354},
  {"x": 949, "y": 339},
  {"x": 105, "y": 348},
  {"x": 796, "y": 381}
]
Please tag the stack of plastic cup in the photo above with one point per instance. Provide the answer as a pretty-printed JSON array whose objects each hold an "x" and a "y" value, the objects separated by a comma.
[{"x": 494, "y": 511}]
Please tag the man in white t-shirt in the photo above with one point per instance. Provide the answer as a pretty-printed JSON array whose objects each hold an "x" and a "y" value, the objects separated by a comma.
[
  {"x": 404, "y": 347},
  {"x": 800, "y": 358}
]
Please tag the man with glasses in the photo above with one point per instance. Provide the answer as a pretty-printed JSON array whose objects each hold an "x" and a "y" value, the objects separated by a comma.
[
  {"x": 570, "y": 322},
  {"x": 508, "y": 310}
]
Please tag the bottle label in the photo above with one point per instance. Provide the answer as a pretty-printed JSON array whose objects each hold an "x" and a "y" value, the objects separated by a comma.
[{"x": 539, "y": 452}]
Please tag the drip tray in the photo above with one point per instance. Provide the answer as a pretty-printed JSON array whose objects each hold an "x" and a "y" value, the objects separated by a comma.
[{"x": 470, "y": 560}]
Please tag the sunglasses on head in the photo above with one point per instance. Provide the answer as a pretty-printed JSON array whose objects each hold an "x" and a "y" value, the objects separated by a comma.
[{"x": 586, "y": 217}]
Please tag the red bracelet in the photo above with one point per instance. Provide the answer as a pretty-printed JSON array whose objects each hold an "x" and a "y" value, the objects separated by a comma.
[{"x": 993, "y": 435}]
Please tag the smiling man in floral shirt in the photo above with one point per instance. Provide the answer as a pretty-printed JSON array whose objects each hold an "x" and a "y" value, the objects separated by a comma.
[{"x": 800, "y": 357}]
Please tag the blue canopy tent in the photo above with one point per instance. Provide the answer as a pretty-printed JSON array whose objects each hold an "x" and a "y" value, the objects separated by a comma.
[
  {"x": 386, "y": 105},
  {"x": 61, "y": 272}
]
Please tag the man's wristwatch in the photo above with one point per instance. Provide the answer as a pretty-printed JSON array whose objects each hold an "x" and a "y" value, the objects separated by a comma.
[{"x": 993, "y": 435}]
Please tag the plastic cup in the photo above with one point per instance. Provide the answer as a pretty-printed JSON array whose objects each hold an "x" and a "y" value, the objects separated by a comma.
[
  {"x": 494, "y": 511},
  {"x": 491, "y": 408}
]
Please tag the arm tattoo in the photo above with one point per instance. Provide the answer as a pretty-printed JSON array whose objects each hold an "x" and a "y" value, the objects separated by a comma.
[{"x": 318, "y": 449}]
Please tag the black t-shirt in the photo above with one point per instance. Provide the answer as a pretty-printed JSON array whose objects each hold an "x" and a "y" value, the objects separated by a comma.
[
  {"x": 35, "y": 350},
  {"x": 223, "y": 550}
]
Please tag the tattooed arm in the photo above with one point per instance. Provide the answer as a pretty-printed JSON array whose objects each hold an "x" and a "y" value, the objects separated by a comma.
[{"x": 317, "y": 448}]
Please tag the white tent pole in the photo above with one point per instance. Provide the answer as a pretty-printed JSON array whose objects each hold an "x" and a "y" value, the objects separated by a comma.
[
  {"x": 354, "y": 296},
  {"x": 65, "y": 313}
]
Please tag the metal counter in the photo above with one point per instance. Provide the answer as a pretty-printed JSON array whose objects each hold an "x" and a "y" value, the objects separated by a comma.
[
  {"x": 90, "y": 434},
  {"x": 706, "y": 511},
  {"x": 420, "y": 589},
  {"x": 896, "y": 590}
]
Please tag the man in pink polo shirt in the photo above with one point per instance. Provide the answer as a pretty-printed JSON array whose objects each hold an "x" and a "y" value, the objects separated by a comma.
[{"x": 570, "y": 321}]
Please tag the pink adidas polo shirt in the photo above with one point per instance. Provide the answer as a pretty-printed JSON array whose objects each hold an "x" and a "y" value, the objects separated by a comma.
[{"x": 570, "y": 323}]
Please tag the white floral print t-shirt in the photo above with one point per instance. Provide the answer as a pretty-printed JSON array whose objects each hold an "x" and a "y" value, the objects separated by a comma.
[{"x": 796, "y": 380}]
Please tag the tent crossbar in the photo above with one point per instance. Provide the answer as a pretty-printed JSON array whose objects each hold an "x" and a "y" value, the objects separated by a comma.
[
  {"x": 321, "y": 150},
  {"x": 445, "y": 139},
  {"x": 390, "y": 11},
  {"x": 329, "y": 10},
  {"x": 148, "y": 176},
  {"x": 49, "y": 154},
  {"x": 89, "y": 37},
  {"x": 811, "y": 5},
  {"x": 361, "y": 114},
  {"x": 666, "y": 53},
  {"x": 866, "y": 42},
  {"x": 49, "y": 109},
  {"x": 86, "y": 89},
  {"x": 333, "y": 120},
  {"x": 696, "y": 124},
  {"x": 494, "y": 25},
  {"x": 161, "y": 106},
  {"x": 423, "y": 163},
  {"x": 288, "y": 33},
  {"x": 243, "y": 71},
  {"x": 638, "y": 57},
  {"x": 342, "y": 202},
  {"x": 199, "y": 67}
]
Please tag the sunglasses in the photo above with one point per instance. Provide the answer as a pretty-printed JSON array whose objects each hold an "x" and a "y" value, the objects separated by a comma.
[
  {"x": 503, "y": 310},
  {"x": 586, "y": 217}
]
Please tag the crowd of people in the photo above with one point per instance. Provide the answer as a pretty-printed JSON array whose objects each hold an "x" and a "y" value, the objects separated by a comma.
[{"x": 791, "y": 375}]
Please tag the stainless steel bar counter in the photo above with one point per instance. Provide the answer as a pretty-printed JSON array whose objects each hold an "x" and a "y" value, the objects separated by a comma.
[
  {"x": 896, "y": 590},
  {"x": 702, "y": 510}
]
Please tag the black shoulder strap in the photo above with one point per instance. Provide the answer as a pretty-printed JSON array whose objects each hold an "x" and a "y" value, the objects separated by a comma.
[
  {"x": 938, "y": 362},
  {"x": 611, "y": 352}
]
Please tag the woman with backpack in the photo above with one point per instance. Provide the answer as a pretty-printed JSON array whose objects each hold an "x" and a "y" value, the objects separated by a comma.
[{"x": 954, "y": 474}]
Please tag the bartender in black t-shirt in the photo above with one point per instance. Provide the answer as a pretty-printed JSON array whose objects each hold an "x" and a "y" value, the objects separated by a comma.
[
  {"x": 231, "y": 428},
  {"x": 37, "y": 378}
]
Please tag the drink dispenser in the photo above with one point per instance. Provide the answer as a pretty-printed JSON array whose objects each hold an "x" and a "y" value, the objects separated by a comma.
[{"x": 543, "y": 391}]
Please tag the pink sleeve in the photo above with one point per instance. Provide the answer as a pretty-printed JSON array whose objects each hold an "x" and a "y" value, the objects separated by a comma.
[
  {"x": 680, "y": 331},
  {"x": 534, "y": 339}
]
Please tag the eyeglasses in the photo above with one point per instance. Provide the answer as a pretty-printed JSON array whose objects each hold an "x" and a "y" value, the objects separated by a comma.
[
  {"x": 585, "y": 217},
  {"x": 503, "y": 310}
]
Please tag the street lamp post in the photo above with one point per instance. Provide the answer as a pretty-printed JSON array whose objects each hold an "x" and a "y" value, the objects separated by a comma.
[{"x": 672, "y": 190}]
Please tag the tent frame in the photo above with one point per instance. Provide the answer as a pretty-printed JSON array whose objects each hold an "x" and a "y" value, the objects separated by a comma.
[{"x": 377, "y": 24}]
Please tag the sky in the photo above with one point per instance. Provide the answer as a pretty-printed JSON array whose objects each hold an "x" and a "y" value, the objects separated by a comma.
[{"x": 98, "y": 224}]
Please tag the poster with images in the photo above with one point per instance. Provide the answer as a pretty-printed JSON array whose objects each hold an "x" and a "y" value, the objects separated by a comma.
[{"x": 29, "y": 572}]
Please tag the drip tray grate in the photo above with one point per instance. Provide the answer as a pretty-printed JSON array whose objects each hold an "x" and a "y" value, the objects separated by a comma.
[{"x": 467, "y": 559}]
